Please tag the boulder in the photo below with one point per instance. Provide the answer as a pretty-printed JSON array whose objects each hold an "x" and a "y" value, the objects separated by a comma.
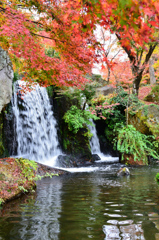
[
  {"x": 105, "y": 90},
  {"x": 6, "y": 77},
  {"x": 95, "y": 157},
  {"x": 75, "y": 144},
  {"x": 123, "y": 172},
  {"x": 146, "y": 120},
  {"x": 66, "y": 161}
]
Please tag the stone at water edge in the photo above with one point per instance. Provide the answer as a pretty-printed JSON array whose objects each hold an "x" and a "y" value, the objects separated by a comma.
[
  {"x": 66, "y": 161},
  {"x": 95, "y": 157},
  {"x": 123, "y": 172}
]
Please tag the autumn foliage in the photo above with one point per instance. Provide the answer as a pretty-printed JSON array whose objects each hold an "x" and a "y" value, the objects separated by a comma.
[
  {"x": 27, "y": 28},
  {"x": 13, "y": 181},
  {"x": 26, "y": 39},
  {"x": 120, "y": 74}
]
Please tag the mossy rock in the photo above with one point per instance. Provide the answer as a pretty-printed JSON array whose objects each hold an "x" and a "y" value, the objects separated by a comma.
[
  {"x": 77, "y": 144},
  {"x": 153, "y": 96},
  {"x": 13, "y": 181},
  {"x": 74, "y": 144},
  {"x": 146, "y": 120}
]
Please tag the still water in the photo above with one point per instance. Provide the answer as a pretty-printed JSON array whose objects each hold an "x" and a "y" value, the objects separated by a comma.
[{"x": 90, "y": 205}]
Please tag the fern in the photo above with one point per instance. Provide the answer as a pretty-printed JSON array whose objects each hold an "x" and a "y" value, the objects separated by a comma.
[{"x": 131, "y": 141}]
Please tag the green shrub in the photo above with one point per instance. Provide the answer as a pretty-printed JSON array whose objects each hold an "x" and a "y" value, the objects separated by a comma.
[
  {"x": 27, "y": 167},
  {"x": 131, "y": 141},
  {"x": 77, "y": 118},
  {"x": 157, "y": 177}
]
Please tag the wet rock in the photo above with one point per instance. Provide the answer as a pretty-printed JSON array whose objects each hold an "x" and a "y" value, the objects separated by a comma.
[
  {"x": 42, "y": 170},
  {"x": 95, "y": 157},
  {"x": 123, "y": 172},
  {"x": 75, "y": 144},
  {"x": 66, "y": 161}
]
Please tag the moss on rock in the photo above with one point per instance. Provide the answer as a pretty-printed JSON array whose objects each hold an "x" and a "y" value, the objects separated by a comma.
[
  {"x": 146, "y": 120},
  {"x": 74, "y": 144},
  {"x": 153, "y": 96},
  {"x": 13, "y": 180}
]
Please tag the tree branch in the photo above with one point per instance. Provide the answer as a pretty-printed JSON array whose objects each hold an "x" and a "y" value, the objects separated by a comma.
[
  {"x": 148, "y": 55},
  {"x": 130, "y": 56}
]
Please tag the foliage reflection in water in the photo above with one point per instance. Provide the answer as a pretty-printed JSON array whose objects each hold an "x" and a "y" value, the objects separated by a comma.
[{"x": 94, "y": 205}]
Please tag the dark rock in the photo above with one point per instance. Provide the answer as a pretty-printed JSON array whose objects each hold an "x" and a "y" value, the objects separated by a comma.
[
  {"x": 95, "y": 157},
  {"x": 66, "y": 161},
  {"x": 73, "y": 144},
  {"x": 123, "y": 172}
]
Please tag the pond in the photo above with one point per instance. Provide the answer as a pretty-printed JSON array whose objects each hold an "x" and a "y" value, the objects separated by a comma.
[{"x": 87, "y": 205}]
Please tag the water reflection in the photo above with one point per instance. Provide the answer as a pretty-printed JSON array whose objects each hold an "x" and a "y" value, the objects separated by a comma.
[
  {"x": 124, "y": 230},
  {"x": 95, "y": 205},
  {"x": 37, "y": 221}
]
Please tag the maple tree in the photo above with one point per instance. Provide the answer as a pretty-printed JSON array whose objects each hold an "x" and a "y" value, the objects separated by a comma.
[
  {"x": 107, "y": 52},
  {"x": 26, "y": 33},
  {"x": 70, "y": 25},
  {"x": 135, "y": 24},
  {"x": 120, "y": 74}
]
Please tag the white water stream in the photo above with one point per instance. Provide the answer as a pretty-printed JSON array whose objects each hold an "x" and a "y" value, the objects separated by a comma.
[
  {"x": 36, "y": 130},
  {"x": 95, "y": 146},
  {"x": 35, "y": 125}
]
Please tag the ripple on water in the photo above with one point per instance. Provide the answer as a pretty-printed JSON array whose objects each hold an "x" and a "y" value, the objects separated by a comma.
[
  {"x": 122, "y": 231},
  {"x": 95, "y": 205}
]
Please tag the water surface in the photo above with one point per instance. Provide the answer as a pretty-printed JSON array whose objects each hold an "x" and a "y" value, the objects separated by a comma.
[{"x": 91, "y": 205}]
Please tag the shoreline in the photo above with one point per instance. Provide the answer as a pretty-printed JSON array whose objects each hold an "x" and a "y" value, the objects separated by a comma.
[{"x": 16, "y": 180}]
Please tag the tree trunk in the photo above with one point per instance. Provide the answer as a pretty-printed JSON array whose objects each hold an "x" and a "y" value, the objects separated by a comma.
[
  {"x": 108, "y": 77},
  {"x": 152, "y": 71},
  {"x": 137, "y": 79}
]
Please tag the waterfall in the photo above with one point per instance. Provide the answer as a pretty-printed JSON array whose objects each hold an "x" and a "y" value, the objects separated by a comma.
[
  {"x": 94, "y": 142},
  {"x": 95, "y": 146},
  {"x": 35, "y": 125},
  {"x": 36, "y": 129}
]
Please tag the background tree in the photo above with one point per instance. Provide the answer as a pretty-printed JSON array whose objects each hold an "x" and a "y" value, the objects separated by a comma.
[
  {"x": 135, "y": 24},
  {"x": 152, "y": 71},
  {"x": 108, "y": 51}
]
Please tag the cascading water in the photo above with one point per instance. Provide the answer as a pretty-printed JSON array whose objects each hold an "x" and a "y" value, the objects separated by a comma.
[
  {"x": 94, "y": 142},
  {"x": 36, "y": 132},
  {"x": 35, "y": 125},
  {"x": 95, "y": 146}
]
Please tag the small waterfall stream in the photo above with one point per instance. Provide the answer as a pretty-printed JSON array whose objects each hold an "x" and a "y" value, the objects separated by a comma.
[
  {"x": 35, "y": 125},
  {"x": 95, "y": 146},
  {"x": 94, "y": 142}
]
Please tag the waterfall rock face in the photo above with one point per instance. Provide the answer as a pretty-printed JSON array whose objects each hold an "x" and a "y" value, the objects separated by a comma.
[
  {"x": 6, "y": 77},
  {"x": 73, "y": 144}
]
